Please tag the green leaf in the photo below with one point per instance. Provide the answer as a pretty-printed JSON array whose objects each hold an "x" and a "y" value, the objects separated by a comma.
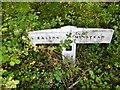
[
  {"x": 97, "y": 79},
  {"x": 16, "y": 32},
  {"x": 93, "y": 86},
  {"x": 117, "y": 87},
  {"x": 81, "y": 81},
  {"x": 12, "y": 63},
  {"x": 58, "y": 78},
  {"x": 92, "y": 74},
  {"x": 17, "y": 61}
]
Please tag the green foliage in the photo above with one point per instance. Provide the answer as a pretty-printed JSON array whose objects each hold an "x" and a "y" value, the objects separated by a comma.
[
  {"x": 66, "y": 43},
  {"x": 27, "y": 66},
  {"x": 7, "y": 80}
]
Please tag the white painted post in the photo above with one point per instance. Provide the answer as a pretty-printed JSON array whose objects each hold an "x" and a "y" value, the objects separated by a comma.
[
  {"x": 70, "y": 54},
  {"x": 78, "y": 35}
]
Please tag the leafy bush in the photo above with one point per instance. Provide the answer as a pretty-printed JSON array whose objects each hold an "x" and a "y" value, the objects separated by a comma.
[
  {"x": 29, "y": 66},
  {"x": 7, "y": 79}
]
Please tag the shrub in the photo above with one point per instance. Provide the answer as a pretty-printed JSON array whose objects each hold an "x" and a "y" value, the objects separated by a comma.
[{"x": 29, "y": 66}]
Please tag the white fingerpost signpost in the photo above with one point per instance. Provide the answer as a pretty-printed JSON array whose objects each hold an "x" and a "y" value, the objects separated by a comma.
[{"x": 77, "y": 35}]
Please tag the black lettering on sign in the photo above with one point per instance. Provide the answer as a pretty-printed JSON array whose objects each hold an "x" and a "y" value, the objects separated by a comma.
[
  {"x": 80, "y": 36},
  {"x": 102, "y": 37},
  {"x": 42, "y": 37},
  {"x": 76, "y": 36},
  {"x": 83, "y": 36},
  {"x": 99, "y": 37},
  {"x": 57, "y": 37},
  {"x": 94, "y": 37},
  {"x": 87, "y": 37},
  {"x": 53, "y": 37},
  {"x": 46, "y": 37},
  {"x": 38, "y": 37},
  {"x": 90, "y": 37},
  {"x": 49, "y": 37},
  {"x": 78, "y": 33}
]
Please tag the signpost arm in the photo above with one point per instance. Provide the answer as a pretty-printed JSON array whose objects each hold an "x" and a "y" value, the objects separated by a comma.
[{"x": 77, "y": 35}]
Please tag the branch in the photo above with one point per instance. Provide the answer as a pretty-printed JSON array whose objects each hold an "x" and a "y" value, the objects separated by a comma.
[{"x": 73, "y": 85}]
